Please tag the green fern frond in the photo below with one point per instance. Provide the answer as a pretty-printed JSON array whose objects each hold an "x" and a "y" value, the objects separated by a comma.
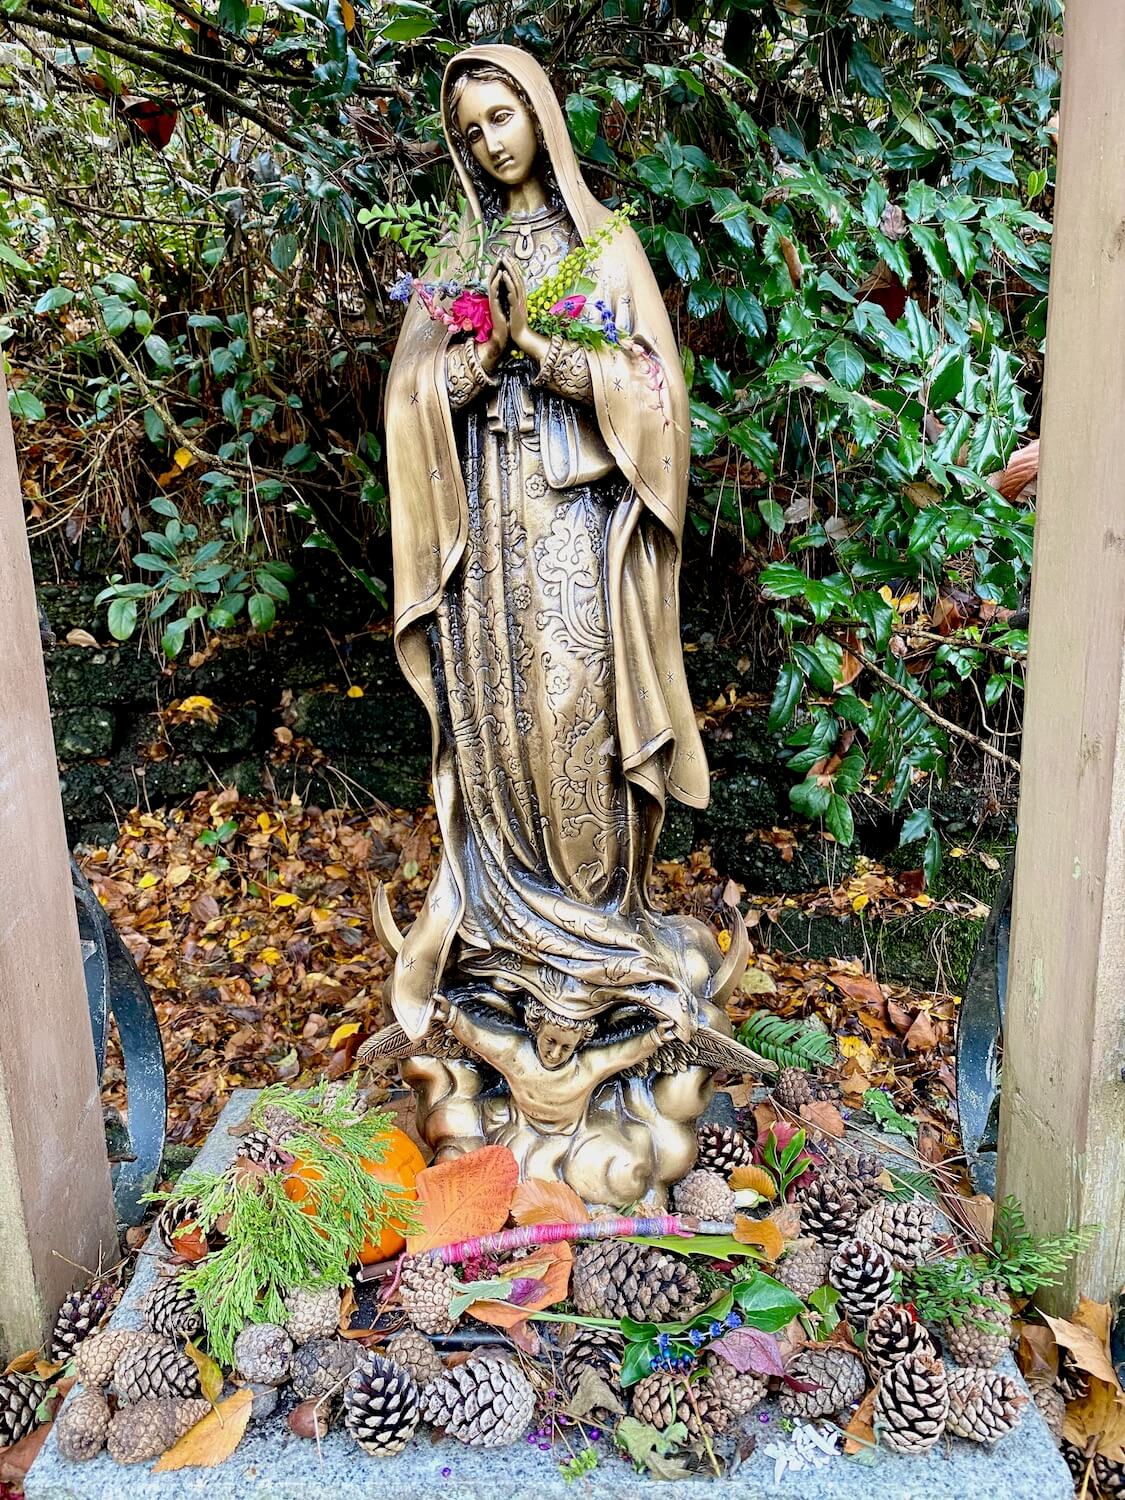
[{"x": 789, "y": 1044}]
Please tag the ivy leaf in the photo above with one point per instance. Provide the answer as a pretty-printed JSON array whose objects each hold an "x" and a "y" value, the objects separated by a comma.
[
  {"x": 766, "y": 1304},
  {"x": 682, "y": 255},
  {"x": 582, "y": 116},
  {"x": 847, "y": 364},
  {"x": 785, "y": 697}
]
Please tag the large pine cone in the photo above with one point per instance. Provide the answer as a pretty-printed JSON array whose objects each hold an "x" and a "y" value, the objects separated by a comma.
[
  {"x": 1109, "y": 1477},
  {"x": 82, "y": 1425},
  {"x": 981, "y": 1335},
  {"x": 322, "y": 1367},
  {"x": 614, "y": 1279},
  {"x": 737, "y": 1392},
  {"x": 486, "y": 1403},
  {"x": 149, "y": 1428},
  {"x": 597, "y": 1349},
  {"x": 864, "y": 1277},
  {"x": 804, "y": 1269},
  {"x": 794, "y": 1087},
  {"x": 19, "y": 1401},
  {"x": 838, "y": 1379},
  {"x": 172, "y": 1311},
  {"x": 414, "y": 1353},
  {"x": 858, "y": 1171},
  {"x": 97, "y": 1355},
  {"x": 312, "y": 1315},
  {"x": 706, "y": 1195},
  {"x": 152, "y": 1372},
  {"x": 381, "y": 1407},
  {"x": 830, "y": 1208},
  {"x": 983, "y": 1404},
  {"x": 893, "y": 1332},
  {"x": 722, "y": 1148},
  {"x": 260, "y": 1148},
  {"x": 904, "y": 1230},
  {"x": 79, "y": 1316},
  {"x": 263, "y": 1353},
  {"x": 425, "y": 1290},
  {"x": 659, "y": 1400},
  {"x": 912, "y": 1404}
]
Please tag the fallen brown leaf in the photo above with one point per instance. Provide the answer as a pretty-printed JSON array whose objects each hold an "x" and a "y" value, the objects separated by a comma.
[
  {"x": 1096, "y": 1421},
  {"x": 922, "y": 1037},
  {"x": 1086, "y": 1349},
  {"x": 824, "y": 1116},
  {"x": 761, "y": 1232},
  {"x": 755, "y": 1178},
  {"x": 213, "y": 1440},
  {"x": 536, "y": 1201},
  {"x": 860, "y": 1431},
  {"x": 19, "y": 1457}
]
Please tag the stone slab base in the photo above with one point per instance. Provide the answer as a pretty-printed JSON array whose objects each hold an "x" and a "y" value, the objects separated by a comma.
[{"x": 271, "y": 1464}]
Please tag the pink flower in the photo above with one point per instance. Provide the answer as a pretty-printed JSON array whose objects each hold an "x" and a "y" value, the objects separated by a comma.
[
  {"x": 471, "y": 312},
  {"x": 567, "y": 307}
]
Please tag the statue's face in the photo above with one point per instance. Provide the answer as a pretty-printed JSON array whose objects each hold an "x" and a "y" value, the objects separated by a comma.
[
  {"x": 499, "y": 130},
  {"x": 556, "y": 1044}
]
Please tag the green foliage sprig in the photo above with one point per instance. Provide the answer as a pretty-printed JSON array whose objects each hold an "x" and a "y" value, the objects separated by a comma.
[
  {"x": 949, "y": 1291},
  {"x": 787, "y": 1163},
  {"x": 789, "y": 1044},
  {"x": 1024, "y": 1261}
]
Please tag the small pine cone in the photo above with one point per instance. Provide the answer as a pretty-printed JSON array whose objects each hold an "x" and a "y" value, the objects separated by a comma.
[
  {"x": 263, "y": 1353},
  {"x": 334, "y": 1092},
  {"x": 983, "y": 1404},
  {"x": 381, "y": 1406},
  {"x": 858, "y": 1171},
  {"x": 1109, "y": 1477},
  {"x": 1050, "y": 1404},
  {"x": 829, "y": 1210},
  {"x": 486, "y": 1403},
  {"x": 981, "y": 1335},
  {"x": 706, "y": 1195},
  {"x": 259, "y": 1147},
  {"x": 322, "y": 1367},
  {"x": 97, "y": 1355},
  {"x": 279, "y": 1123},
  {"x": 911, "y": 1404},
  {"x": 19, "y": 1401},
  {"x": 81, "y": 1426},
  {"x": 149, "y": 1428},
  {"x": 1074, "y": 1383},
  {"x": 413, "y": 1352},
  {"x": 174, "y": 1217},
  {"x": 312, "y": 1315},
  {"x": 425, "y": 1290},
  {"x": 154, "y": 1371},
  {"x": 597, "y": 1349},
  {"x": 863, "y": 1275},
  {"x": 722, "y": 1148},
  {"x": 736, "y": 1391},
  {"x": 804, "y": 1268},
  {"x": 794, "y": 1087},
  {"x": 172, "y": 1311},
  {"x": 79, "y": 1316},
  {"x": 893, "y": 1332},
  {"x": 838, "y": 1378},
  {"x": 904, "y": 1230},
  {"x": 614, "y": 1279},
  {"x": 1076, "y": 1462},
  {"x": 659, "y": 1400}
]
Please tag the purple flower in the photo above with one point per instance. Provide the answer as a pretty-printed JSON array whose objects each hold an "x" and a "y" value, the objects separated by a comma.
[{"x": 402, "y": 289}]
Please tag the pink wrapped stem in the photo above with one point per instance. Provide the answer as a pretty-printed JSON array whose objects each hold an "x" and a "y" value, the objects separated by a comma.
[{"x": 529, "y": 1235}]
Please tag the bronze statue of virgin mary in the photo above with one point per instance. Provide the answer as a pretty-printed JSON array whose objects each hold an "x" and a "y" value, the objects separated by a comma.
[{"x": 537, "y": 489}]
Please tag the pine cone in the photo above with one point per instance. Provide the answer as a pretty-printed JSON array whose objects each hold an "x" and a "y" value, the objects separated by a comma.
[
  {"x": 312, "y": 1315},
  {"x": 911, "y": 1404},
  {"x": 486, "y": 1403},
  {"x": 1076, "y": 1461},
  {"x": 154, "y": 1371},
  {"x": 858, "y": 1171},
  {"x": 706, "y": 1195},
  {"x": 322, "y": 1367},
  {"x": 79, "y": 1316},
  {"x": 659, "y": 1400},
  {"x": 893, "y": 1332},
  {"x": 804, "y": 1268},
  {"x": 794, "y": 1087},
  {"x": 81, "y": 1426},
  {"x": 838, "y": 1378},
  {"x": 149, "y": 1428},
  {"x": 1109, "y": 1477},
  {"x": 722, "y": 1148},
  {"x": 983, "y": 1404},
  {"x": 259, "y": 1147},
  {"x": 413, "y": 1352},
  {"x": 425, "y": 1290},
  {"x": 97, "y": 1355},
  {"x": 279, "y": 1123},
  {"x": 335, "y": 1090},
  {"x": 172, "y": 1218},
  {"x": 1074, "y": 1382},
  {"x": 737, "y": 1392},
  {"x": 981, "y": 1335},
  {"x": 614, "y": 1279},
  {"x": 19, "y": 1401},
  {"x": 263, "y": 1353},
  {"x": 863, "y": 1275},
  {"x": 172, "y": 1311},
  {"x": 597, "y": 1349},
  {"x": 904, "y": 1230},
  {"x": 1050, "y": 1404},
  {"x": 381, "y": 1406},
  {"x": 830, "y": 1209}
]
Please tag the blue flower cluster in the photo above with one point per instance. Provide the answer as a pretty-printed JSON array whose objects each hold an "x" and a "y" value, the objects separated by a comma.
[
  {"x": 609, "y": 326},
  {"x": 402, "y": 289}
]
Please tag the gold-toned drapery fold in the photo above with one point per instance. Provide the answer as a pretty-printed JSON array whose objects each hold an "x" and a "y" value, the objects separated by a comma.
[{"x": 647, "y": 434}]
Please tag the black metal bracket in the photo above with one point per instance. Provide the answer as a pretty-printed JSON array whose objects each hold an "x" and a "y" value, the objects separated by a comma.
[
  {"x": 114, "y": 986},
  {"x": 980, "y": 1040}
]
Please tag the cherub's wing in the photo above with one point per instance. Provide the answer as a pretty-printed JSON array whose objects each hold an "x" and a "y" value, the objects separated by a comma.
[
  {"x": 391, "y": 1043},
  {"x": 714, "y": 1050}
]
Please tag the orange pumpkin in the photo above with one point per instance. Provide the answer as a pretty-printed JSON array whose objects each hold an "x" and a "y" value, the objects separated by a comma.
[{"x": 401, "y": 1164}]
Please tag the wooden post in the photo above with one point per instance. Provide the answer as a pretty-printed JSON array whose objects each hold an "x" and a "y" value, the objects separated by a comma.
[
  {"x": 1063, "y": 1099},
  {"x": 56, "y": 1210}
]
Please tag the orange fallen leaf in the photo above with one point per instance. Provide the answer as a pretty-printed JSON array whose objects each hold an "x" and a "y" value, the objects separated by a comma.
[
  {"x": 761, "y": 1232},
  {"x": 19, "y": 1457},
  {"x": 922, "y": 1037},
  {"x": 1098, "y": 1418},
  {"x": 22, "y": 1362},
  {"x": 860, "y": 1431},
  {"x": 213, "y": 1440},
  {"x": 550, "y": 1265},
  {"x": 539, "y": 1202},
  {"x": 858, "y": 987},
  {"x": 347, "y": 1311},
  {"x": 463, "y": 1198},
  {"x": 824, "y": 1116},
  {"x": 755, "y": 1178}
]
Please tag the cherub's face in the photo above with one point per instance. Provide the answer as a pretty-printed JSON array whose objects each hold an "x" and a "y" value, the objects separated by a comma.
[
  {"x": 499, "y": 130},
  {"x": 556, "y": 1045}
]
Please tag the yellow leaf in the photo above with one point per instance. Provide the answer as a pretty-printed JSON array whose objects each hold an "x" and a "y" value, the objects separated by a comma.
[
  {"x": 264, "y": 823},
  {"x": 196, "y": 704},
  {"x": 762, "y": 1232},
  {"x": 213, "y": 1440},
  {"x": 724, "y": 941},
  {"x": 269, "y": 956},
  {"x": 341, "y": 1034},
  {"x": 755, "y": 1178},
  {"x": 859, "y": 902},
  {"x": 347, "y": 14},
  {"x": 183, "y": 458},
  {"x": 757, "y": 982},
  {"x": 286, "y": 898},
  {"x": 210, "y": 1376},
  {"x": 355, "y": 691},
  {"x": 146, "y": 881},
  {"x": 1100, "y": 1415},
  {"x": 177, "y": 874},
  {"x": 923, "y": 900},
  {"x": 337, "y": 872},
  {"x": 537, "y": 1201}
]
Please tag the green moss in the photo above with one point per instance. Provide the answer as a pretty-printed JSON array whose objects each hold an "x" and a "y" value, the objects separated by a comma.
[{"x": 929, "y": 949}]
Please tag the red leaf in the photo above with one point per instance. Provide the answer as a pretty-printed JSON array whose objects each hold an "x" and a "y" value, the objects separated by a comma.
[{"x": 748, "y": 1349}]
